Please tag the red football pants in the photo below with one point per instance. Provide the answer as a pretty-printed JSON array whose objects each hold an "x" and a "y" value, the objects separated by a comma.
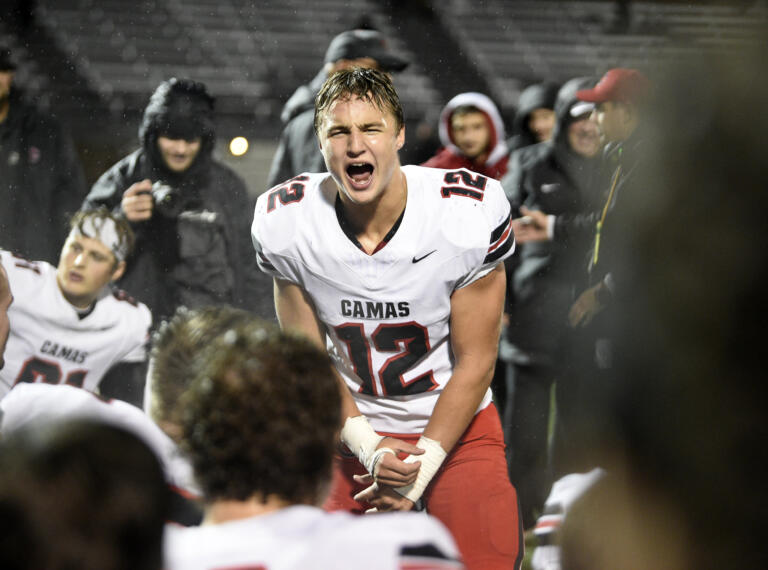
[{"x": 470, "y": 494}]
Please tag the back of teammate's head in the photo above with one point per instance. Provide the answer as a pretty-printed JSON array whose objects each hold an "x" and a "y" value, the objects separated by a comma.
[
  {"x": 176, "y": 349},
  {"x": 261, "y": 421},
  {"x": 112, "y": 230},
  {"x": 367, "y": 84},
  {"x": 81, "y": 495}
]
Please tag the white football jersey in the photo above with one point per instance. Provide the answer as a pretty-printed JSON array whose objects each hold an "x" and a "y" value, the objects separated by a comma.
[
  {"x": 303, "y": 537},
  {"x": 50, "y": 343},
  {"x": 35, "y": 404},
  {"x": 387, "y": 314},
  {"x": 565, "y": 492}
]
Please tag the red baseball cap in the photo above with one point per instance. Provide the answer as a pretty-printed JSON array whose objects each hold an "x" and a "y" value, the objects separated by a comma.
[{"x": 619, "y": 84}]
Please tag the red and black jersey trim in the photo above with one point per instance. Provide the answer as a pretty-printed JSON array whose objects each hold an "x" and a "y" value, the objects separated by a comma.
[
  {"x": 502, "y": 240},
  {"x": 264, "y": 263},
  {"x": 426, "y": 557},
  {"x": 184, "y": 508}
]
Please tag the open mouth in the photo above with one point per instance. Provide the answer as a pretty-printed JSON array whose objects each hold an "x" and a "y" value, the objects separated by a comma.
[
  {"x": 360, "y": 174},
  {"x": 75, "y": 277}
]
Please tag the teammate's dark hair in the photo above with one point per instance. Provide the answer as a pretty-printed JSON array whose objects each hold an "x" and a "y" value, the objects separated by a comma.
[
  {"x": 99, "y": 215},
  {"x": 177, "y": 347},
  {"x": 263, "y": 418},
  {"x": 368, "y": 84},
  {"x": 83, "y": 495}
]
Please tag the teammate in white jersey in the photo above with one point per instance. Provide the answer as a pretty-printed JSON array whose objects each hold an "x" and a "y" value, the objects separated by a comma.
[
  {"x": 29, "y": 406},
  {"x": 264, "y": 463},
  {"x": 397, "y": 270},
  {"x": 67, "y": 325},
  {"x": 172, "y": 364}
]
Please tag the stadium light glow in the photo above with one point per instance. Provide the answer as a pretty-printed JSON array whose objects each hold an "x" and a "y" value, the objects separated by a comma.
[{"x": 238, "y": 146}]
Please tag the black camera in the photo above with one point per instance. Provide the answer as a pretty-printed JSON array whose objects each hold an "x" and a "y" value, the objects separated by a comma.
[{"x": 167, "y": 199}]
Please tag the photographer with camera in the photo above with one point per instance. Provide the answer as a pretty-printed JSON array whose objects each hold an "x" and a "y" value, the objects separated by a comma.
[{"x": 190, "y": 213}]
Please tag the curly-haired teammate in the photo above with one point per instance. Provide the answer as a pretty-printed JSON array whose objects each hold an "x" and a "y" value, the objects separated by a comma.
[
  {"x": 264, "y": 463},
  {"x": 398, "y": 272}
]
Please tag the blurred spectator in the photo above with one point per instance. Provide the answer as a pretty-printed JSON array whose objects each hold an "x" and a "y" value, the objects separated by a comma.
[
  {"x": 80, "y": 495},
  {"x": 535, "y": 116},
  {"x": 558, "y": 177},
  {"x": 41, "y": 179},
  {"x": 621, "y": 97},
  {"x": 472, "y": 134},
  {"x": 190, "y": 213},
  {"x": 68, "y": 325},
  {"x": 683, "y": 416},
  {"x": 423, "y": 138},
  {"x": 262, "y": 489},
  {"x": 298, "y": 150},
  {"x": 688, "y": 408}
]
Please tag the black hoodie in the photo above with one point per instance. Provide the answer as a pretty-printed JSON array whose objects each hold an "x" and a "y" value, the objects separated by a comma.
[
  {"x": 537, "y": 96},
  {"x": 201, "y": 252}
]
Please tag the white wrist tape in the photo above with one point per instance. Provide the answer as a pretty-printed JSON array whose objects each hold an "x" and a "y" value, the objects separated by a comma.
[
  {"x": 431, "y": 460},
  {"x": 358, "y": 435},
  {"x": 376, "y": 457}
]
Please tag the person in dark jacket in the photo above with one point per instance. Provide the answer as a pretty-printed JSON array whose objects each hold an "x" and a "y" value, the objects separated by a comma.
[
  {"x": 534, "y": 119},
  {"x": 472, "y": 133},
  {"x": 41, "y": 178},
  {"x": 189, "y": 212},
  {"x": 558, "y": 176},
  {"x": 298, "y": 150},
  {"x": 621, "y": 99}
]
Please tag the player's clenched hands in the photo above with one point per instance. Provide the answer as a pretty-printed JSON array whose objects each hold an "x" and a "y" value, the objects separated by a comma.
[
  {"x": 137, "y": 201},
  {"x": 381, "y": 497},
  {"x": 393, "y": 471}
]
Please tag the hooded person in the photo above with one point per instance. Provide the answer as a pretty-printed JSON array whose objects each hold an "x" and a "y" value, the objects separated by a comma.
[
  {"x": 535, "y": 118},
  {"x": 298, "y": 151},
  {"x": 472, "y": 134},
  {"x": 190, "y": 213},
  {"x": 557, "y": 176}
]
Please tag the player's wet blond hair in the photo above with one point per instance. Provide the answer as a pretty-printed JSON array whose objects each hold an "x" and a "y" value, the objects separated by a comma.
[
  {"x": 367, "y": 84},
  {"x": 97, "y": 217}
]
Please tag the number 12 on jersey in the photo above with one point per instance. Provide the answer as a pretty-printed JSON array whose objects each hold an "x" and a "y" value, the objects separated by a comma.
[
  {"x": 408, "y": 341},
  {"x": 464, "y": 183}
]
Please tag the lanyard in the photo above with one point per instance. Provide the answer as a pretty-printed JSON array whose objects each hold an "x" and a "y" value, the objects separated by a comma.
[{"x": 599, "y": 225}]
